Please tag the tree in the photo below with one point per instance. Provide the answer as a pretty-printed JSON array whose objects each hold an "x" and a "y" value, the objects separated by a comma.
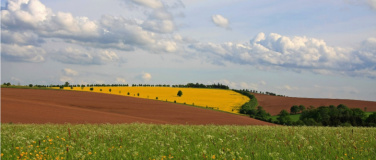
[
  {"x": 302, "y": 108},
  {"x": 66, "y": 84},
  {"x": 109, "y": 90},
  {"x": 180, "y": 93},
  {"x": 294, "y": 109},
  {"x": 30, "y": 85},
  {"x": 284, "y": 118},
  {"x": 262, "y": 114},
  {"x": 371, "y": 120}
]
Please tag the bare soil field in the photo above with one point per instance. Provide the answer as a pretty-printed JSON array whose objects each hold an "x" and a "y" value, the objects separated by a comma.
[
  {"x": 58, "y": 106},
  {"x": 274, "y": 104}
]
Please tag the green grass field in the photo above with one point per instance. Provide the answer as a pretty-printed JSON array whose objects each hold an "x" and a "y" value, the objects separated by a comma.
[{"x": 142, "y": 141}]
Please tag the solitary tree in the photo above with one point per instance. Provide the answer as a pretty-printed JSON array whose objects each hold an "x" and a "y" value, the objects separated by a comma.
[
  {"x": 294, "y": 109},
  {"x": 180, "y": 93},
  {"x": 66, "y": 84}
]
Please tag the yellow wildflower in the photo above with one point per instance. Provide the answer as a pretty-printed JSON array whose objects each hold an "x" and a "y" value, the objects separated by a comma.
[
  {"x": 213, "y": 157},
  {"x": 17, "y": 148},
  {"x": 2, "y": 154},
  {"x": 90, "y": 153}
]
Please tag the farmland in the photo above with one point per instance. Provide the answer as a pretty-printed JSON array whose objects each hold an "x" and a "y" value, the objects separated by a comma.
[
  {"x": 61, "y": 106},
  {"x": 224, "y": 100},
  {"x": 91, "y": 125},
  {"x": 145, "y": 141}
]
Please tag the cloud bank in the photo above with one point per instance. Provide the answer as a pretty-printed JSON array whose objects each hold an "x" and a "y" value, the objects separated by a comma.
[
  {"x": 27, "y": 23},
  {"x": 297, "y": 54}
]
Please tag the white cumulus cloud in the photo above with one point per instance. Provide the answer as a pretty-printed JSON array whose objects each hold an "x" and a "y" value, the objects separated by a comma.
[
  {"x": 81, "y": 56},
  {"x": 146, "y": 77},
  {"x": 287, "y": 87},
  {"x": 66, "y": 79},
  {"x": 121, "y": 80},
  {"x": 220, "y": 21},
  {"x": 23, "y": 53},
  {"x": 28, "y": 24},
  {"x": 149, "y": 3},
  {"x": 297, "y": 53},
  {"x": 70, "y": 72}
]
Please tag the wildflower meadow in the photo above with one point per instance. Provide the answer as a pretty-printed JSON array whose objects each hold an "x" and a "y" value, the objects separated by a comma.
[{"x": 148, "y": 141}]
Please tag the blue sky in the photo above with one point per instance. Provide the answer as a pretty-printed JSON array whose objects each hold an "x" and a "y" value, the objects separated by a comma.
[{"x": 301, "y": 48}]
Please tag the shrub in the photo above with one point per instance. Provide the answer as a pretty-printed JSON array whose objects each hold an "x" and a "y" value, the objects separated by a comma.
[{"x": 180, "y": 93}]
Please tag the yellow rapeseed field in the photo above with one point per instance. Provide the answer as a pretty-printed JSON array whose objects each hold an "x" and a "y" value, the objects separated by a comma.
[{"x": 225, "y": 100}]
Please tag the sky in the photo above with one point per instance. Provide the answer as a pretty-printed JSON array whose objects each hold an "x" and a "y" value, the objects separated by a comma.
[{"x": 297, "y": 48}]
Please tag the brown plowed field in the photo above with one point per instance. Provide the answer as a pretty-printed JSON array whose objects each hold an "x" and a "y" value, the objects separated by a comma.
[
  {"x": 56, "y": 106},
  {"x": 274, "y": 104}
]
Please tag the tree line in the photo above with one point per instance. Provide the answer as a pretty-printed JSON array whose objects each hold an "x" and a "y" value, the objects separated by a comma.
[
  {"x": 266, "y": 92},
  {"x": 327, "y": 116},
  {"x": 188, "y": 85}
]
